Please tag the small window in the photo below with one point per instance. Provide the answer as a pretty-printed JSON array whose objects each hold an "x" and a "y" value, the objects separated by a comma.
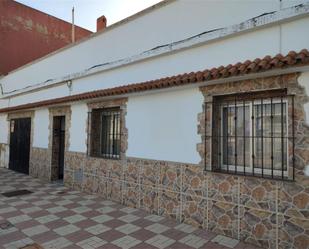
[
  {"x": 105, "y": 133},
  {"x": 251, "y": 135}
]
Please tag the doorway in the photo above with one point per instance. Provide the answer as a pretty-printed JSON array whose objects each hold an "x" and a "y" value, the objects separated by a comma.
[
  {"x": 20, "y": 131},
  {"x": 58, "y": 148}
]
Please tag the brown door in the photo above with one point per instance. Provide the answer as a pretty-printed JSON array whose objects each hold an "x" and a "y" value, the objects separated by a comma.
[{"x": 58, "y": 147}]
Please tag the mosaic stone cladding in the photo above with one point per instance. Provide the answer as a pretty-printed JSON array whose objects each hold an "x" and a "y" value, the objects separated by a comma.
[
  {"x": 270, "y": 213},
  {"x": 40, "y": 164},
  {"x": 241, "y": 207},
  {"x": 56, "y": 217}
]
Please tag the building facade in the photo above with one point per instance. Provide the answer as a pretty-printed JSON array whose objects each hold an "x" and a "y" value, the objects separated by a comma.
[
  {"x": 27, "y": 34},
  {"x": 206, "y": 122}
]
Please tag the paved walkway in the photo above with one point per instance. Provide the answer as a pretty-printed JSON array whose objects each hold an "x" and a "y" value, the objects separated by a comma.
[{"x": 56, "y": 217}]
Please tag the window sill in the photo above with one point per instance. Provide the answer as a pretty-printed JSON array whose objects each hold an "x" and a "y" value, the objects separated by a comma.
[{"x": 256, "y": 175}]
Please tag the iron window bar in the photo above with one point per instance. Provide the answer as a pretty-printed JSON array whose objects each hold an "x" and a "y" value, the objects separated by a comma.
[
  {"x": 104, "y": 133},
  {"x": 110, "y": 133},
  {"x": 88, "y": 133},
  {"x": 270, "y": 135}
]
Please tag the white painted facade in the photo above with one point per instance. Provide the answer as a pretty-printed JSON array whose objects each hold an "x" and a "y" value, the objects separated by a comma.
[
  {"x": 4, "y": 130},
  {"x": 160, "y": 125},
  {"x": 78, "y": 129},
  {"x": 41, "y": 128},
  {"x": 164, "y": 125}
]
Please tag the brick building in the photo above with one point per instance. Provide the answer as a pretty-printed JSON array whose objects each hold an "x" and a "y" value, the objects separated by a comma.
[{"x": 27, "y": 34}]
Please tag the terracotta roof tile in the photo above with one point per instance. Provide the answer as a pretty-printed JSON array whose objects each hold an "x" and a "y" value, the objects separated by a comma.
[{"x": 258, "y": 65}]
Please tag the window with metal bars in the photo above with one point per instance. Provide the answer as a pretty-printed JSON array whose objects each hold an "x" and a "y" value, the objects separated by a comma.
[
  {"x": 105, "y": 133},
  {"x": 253, "y": 134}
]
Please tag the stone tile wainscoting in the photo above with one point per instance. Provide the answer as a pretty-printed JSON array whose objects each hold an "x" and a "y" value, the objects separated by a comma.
[
  {"x": 4, "y": 155},
  {"x": 257, "y": 211},
  {"x": 40, "y": 163}
]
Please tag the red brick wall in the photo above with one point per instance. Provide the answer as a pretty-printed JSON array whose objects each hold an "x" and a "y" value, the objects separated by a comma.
[{"x": 27, "y": 34}]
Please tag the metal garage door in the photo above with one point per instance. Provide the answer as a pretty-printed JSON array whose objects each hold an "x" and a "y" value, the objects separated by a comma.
[{"x": 20, "y": 130}]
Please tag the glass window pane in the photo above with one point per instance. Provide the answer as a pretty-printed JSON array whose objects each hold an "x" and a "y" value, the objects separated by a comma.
[
  {"x": 236, "y": 135},
  {"x": 270, "y": 136},
  {"x": 110, "y": 133},
  {"x": 105, "y": 142}
]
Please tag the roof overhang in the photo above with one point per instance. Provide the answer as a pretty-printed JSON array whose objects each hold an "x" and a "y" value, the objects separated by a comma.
[{"x": 268, "y": 66}]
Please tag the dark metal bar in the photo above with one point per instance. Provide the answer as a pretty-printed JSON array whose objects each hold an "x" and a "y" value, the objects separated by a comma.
[
  {"x": 103, "y": 133},
  {"x": 262, "y": 140},
  {"x": 120, "y": 132},
  {"x": 252, "y": 123},
  {"x": 219, "y": 137},
  {"x": 236, "y": 139},
  {"x": 271, "y": 135},
  {"x": 255, "y": 176},
  {"x": 113, "y": 135},
  {"x": 293, "y": 138},
  {"x": 282, "y": 140},
  {"x": 107, "y": 149},
  {"x": 88, "y": 133},
  {"x": 205, "y": 131},
  {"x": 244, "y": 135},
  {"x": 227, "y": 137}
]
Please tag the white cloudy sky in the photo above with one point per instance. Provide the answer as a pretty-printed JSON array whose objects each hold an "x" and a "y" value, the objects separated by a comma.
[{"x": 87, "y": 11}]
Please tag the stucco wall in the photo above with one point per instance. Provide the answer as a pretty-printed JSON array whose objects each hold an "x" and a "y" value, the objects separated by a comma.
[
  {"x": 160, "y": 126},
  {"x": 41, "y": 123},
  {"x": 54, "y": 92},
  {"x": 3, "y": 129},
  {"x": 164, "y": 126},
  {"x": 78, "y": 129}
]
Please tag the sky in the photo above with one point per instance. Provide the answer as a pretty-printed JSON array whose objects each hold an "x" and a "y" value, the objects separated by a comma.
[{"x": 87, "y": 11}]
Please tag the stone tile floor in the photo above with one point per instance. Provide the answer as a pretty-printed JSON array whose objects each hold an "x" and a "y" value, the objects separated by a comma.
[{"x": 56, "y": 217}]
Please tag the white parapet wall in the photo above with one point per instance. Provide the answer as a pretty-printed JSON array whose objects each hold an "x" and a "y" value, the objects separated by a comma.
[
  {"x": 238, "y": 48},
  {"x": 168, "y": 24}
]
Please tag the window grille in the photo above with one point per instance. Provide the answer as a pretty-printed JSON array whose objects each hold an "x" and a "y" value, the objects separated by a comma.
[
  {"x": 251, "y": 134},
  {"x": 105, "y": 133}
]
